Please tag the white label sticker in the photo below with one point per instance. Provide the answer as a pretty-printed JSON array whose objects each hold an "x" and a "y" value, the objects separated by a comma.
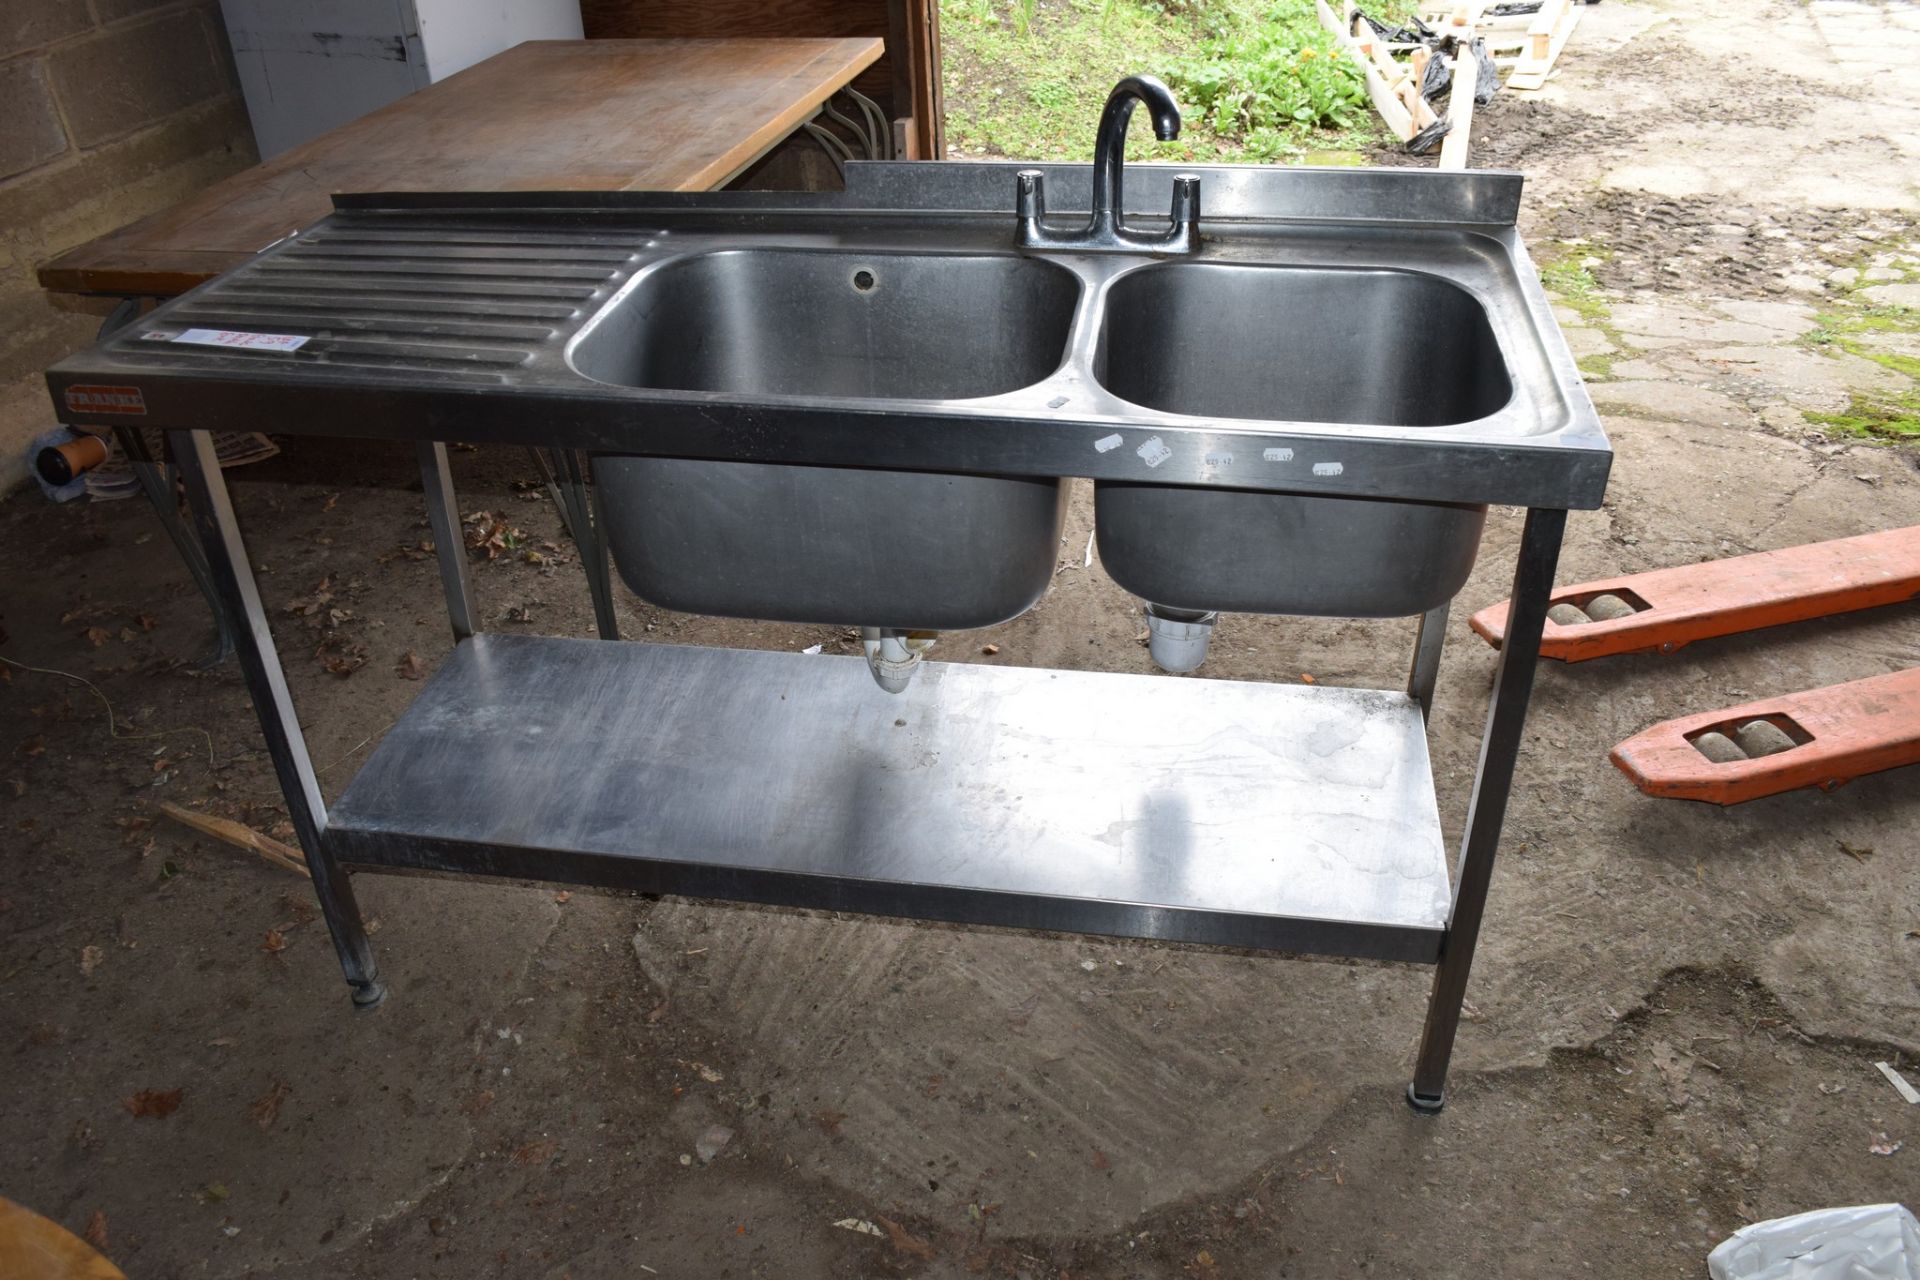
[
  {"x": 1327, "y": 468},
  {"x": 1278, "y": 455},
  {"x": 1107, "y": 444},
  {"x": 1154, "y": 451},
  {"x": 1219, "y": 459},
  {"x": 233, "y": 338}
]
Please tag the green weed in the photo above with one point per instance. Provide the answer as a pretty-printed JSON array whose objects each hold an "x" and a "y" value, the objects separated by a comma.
[
  {"x": 1851, "y": 325},
  {"x": 1279, "y": 71},
  {"x": 1877, "y": 418}
]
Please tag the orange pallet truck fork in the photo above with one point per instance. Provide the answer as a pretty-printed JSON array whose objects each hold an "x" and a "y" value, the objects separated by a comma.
[
  {"x": 1669, "y": 608},
  {"x": 1820, "y": 738},
  {"x": 1817, "y": 738}
]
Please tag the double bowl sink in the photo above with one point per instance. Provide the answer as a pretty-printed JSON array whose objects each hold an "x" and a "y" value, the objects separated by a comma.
[{"x": 1212, "y": 336}]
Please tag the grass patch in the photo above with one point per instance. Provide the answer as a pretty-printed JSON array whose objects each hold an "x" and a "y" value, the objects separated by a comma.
[
  {"x": 1881, "y": 418},
  {"x": 1570, "y": 280},
  {"x": 1564, "y": 273},
  {"x": 1258, "y": 80}
]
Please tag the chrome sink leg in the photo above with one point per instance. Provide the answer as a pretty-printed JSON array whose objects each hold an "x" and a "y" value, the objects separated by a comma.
[
  {"x": 232, "y": 576},
  {"x": 1492, "y": 785}
]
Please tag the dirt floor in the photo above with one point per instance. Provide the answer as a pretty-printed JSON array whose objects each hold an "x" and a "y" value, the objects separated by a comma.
[{"x": 1672, "y": 1025}]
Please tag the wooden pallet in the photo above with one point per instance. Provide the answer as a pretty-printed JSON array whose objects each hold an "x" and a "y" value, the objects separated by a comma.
[
  {"x": 1529, "y": 44},
  {"x": 1393, "y": 86},
  {"x": 1546, "y": 37}
]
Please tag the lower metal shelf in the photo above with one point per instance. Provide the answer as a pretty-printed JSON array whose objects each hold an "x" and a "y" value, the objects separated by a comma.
[{"x": 1274, "y": 817}]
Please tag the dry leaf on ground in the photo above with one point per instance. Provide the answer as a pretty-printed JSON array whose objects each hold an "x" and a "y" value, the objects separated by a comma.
[
  {"x": 537, "y": 1152},
  {"x": 905, "y": 1241},
  {"x": 314, "y": 602},
  {"x": 265, "y": 1109},
  {"x": 155, "y": 1104}
]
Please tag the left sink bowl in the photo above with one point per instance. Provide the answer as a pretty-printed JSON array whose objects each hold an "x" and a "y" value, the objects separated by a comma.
[{"x": 901, "y": 549}]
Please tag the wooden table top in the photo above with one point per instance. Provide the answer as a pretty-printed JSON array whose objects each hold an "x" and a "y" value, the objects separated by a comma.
[{"x": 554, "y": 115}]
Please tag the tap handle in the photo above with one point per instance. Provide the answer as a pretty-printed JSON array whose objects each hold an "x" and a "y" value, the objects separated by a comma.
[
  {"x": 1032, "y": 197},
  {"x": 1186, "y": 200},
  {"x": 1031, "y": 205}
]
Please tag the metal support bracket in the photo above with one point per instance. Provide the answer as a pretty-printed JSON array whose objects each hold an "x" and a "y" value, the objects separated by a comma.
[
  {"x": 155, "y": 478},
  {"x": 569, "y": 467},
  {"x": 1428, "y": 642}
]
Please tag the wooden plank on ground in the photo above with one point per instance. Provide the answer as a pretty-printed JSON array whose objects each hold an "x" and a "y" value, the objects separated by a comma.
[
  {"x": 1453, "y": 148},
  {"x": 284, "y": 856}
]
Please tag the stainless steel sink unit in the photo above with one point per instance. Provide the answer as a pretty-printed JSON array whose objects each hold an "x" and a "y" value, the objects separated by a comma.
[
  {"x": 1261, "y": 434},
  {"x": 896, "y": 549}
]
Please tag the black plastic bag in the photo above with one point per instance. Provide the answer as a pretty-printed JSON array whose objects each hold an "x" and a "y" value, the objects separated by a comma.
[
  {"x": 1427, "y": 139},
  {"x": 1418, "y": 33},
  {"x": 1486, "y": 82}
]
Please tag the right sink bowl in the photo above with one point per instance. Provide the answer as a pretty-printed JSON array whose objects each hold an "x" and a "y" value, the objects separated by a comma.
[{"x": 1372, "y": 347}]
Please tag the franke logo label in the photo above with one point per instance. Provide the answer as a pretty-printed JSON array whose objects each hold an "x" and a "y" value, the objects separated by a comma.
[{"x": 89, "y": 399}]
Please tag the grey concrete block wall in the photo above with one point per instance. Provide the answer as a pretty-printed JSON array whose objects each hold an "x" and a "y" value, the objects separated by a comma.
[
  {"x": 125, "y": 77},
  {"x": 33, "y": 134},
  {"x": 109, "y": 110},
  {"x": 29, "y": 24}
]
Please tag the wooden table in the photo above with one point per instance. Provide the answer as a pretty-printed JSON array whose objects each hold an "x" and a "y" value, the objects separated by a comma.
[
  {"x": 553, "y": 115},
  {"x": 549, "y": 115}
]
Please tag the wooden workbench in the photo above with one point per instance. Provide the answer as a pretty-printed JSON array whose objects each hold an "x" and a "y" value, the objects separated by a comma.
[{"x": 661, "y": 115}]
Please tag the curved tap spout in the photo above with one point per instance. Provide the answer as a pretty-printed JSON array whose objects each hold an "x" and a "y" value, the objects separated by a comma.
[
  {"x": 1106, "y": 228},
  {"x": 1110, "y": 144}
]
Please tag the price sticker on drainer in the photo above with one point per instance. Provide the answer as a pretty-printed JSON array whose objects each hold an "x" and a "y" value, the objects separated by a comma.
[{"x": 232, "y": 338}]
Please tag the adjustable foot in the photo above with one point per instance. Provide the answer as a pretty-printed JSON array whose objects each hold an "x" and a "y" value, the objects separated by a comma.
[{"x": 1423, "y": 1105}]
